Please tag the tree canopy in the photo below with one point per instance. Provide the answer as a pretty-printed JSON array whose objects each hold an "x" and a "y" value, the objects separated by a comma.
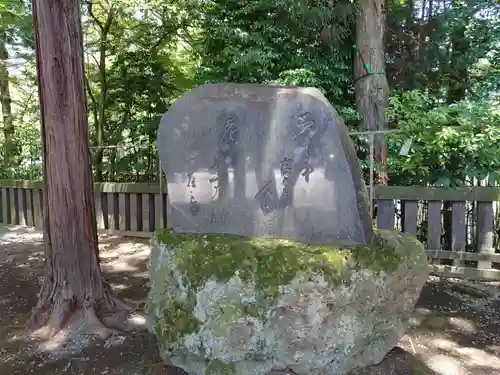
[{"x": 442, "y": 59}]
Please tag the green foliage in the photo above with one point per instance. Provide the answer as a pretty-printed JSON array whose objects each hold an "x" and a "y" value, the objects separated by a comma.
[
  {"x": 435, "y": 45},
  {"x": 142, "y": 55},
  {"x": 285, "y": 41},
  {"x": 451, "y": 144},
  {"x": 144, "y": 71},
  {"x": 28, "y": 164},
  {"x": 15, "y": 23}
]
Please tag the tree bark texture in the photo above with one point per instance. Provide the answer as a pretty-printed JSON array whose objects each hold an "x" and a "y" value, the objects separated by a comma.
[
  {"x": 73, "y": 281},
  {"x": 372, "y": 89}
]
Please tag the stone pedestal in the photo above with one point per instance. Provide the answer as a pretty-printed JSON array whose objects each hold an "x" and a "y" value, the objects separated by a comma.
[{"x": 227, "y": 304}]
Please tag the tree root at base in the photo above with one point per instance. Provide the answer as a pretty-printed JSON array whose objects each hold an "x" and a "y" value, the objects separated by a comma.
[{"x": 58, "y": 324}]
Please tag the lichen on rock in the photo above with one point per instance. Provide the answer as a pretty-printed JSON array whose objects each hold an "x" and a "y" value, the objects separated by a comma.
[{"x": 227, "y": 304}]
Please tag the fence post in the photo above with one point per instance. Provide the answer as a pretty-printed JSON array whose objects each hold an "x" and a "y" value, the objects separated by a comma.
[
  {"x": 484, "y": 232},
  {"x": 458, "y": 230}
]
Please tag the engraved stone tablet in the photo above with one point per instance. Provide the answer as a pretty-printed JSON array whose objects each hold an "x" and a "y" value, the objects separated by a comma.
[{"x": 262, "y": 160}]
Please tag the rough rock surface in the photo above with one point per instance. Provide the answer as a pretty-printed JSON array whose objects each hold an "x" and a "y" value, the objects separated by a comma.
[{"x": 227, "y": 304}]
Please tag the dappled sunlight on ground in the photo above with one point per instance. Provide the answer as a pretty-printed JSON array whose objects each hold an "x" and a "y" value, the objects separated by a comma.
[
  {"x": 455, "y": 333},
  {"x": 13, "y": 233},
  {"x": 124, "y": 255},
  {"x": 451, "y": 333},
  {"x": 124, "y": 262},
  {"x": 447, "y": 357}
]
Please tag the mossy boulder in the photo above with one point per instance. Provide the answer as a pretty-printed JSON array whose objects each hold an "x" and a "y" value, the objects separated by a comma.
[{"x": 227, "y": 304}]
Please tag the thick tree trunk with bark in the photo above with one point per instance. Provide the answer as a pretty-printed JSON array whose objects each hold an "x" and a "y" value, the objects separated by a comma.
[
  {"x": 372, "y": 89},
  {"x": 73, "y": 287}
]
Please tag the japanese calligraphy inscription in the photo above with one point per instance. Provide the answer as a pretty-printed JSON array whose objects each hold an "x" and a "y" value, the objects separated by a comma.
[{"x": 262, "y": 160}]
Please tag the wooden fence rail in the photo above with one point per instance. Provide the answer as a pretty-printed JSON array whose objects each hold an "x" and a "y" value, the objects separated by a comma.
[{"x": 137, "y": 209}]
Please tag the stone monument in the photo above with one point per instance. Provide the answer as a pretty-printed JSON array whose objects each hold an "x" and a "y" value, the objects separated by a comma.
[
  {"x": 272, "y": 265},
  {"x": 263, "y": 160}
]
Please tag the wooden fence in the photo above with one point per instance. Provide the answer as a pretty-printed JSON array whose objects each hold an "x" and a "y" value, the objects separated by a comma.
[{"x": 137, "y": 209}]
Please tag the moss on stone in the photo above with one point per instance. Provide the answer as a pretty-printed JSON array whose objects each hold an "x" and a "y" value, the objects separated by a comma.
[
  {"x": 269, "y": 263},
  {"x": 178, "y": 315},
  {"x": 272, "y": 262},
  {"x": 216, "y": 367}
]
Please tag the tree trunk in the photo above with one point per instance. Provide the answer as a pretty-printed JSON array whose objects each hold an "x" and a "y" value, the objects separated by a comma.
[
  {"x": 458, "y": 86},
  {"x": 459, "y": 83},
  {"x": 73, "y": 286},
  {"x": 6, "y": 106},
  {"x": 100, "y": 123},
  {"x": 371, "y": 85}
]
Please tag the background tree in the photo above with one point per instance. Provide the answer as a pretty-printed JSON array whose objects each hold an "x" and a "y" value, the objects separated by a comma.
[
  {"x": 156, "y": 50},
  {"x": 134, "y": 70},
  {"x": 15, "y": 30},
  {"x": 73, "y": 289},
  {"x": 371, "y": 87},
  {"x": 5, "y": 101}
]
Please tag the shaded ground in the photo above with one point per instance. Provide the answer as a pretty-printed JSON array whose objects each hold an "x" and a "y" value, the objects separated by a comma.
[{"x": 453, "y": 332}]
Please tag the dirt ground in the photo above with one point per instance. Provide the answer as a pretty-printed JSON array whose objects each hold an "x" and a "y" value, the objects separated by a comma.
[{"x": 455, "y": 329}]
